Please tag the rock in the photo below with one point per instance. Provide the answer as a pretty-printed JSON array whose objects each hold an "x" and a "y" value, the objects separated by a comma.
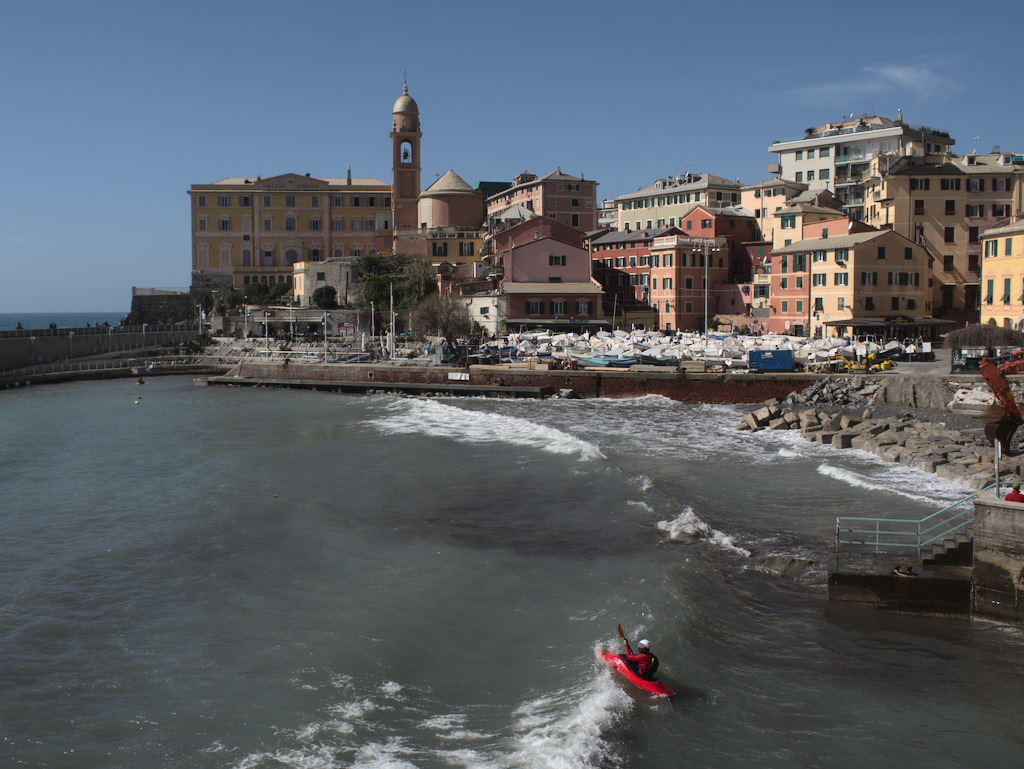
[{"x": 784, "y": 565}]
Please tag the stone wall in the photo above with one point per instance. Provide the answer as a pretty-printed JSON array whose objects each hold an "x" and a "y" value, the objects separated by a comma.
[
  {"x": 693, "y": 388},
  {"x": 998, "y": 558}
]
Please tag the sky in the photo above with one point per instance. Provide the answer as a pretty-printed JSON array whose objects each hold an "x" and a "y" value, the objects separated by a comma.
[{"x": 112, "y": 109}]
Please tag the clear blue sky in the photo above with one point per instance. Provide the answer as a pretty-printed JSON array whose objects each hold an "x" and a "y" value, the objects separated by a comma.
[{"x": 112, "y": 109}]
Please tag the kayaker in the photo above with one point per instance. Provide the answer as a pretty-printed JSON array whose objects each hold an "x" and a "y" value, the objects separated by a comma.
[{"x": 644, "y": 664}]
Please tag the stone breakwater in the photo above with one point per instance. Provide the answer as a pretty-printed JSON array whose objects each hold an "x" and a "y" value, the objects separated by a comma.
[{"x": 959, "y": 455}]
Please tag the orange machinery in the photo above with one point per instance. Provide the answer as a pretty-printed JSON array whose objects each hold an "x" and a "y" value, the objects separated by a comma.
[{"x": 994, "y": 372}]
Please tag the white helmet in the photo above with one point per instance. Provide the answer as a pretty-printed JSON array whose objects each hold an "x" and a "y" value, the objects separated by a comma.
[{"x": 644, "y": 644}]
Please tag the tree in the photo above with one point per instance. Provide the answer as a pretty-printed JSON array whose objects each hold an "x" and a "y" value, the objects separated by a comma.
[
  {"x": 279, "y": 291},
  {"x": 326, "y": 298},
  {"x": 256, "y": 293},
  {"x": 443, "y": 316},
  {"x": 227, "y": 300}
]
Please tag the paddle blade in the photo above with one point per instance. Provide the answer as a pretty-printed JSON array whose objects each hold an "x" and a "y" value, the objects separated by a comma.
[{"x": 621, "y": 634}]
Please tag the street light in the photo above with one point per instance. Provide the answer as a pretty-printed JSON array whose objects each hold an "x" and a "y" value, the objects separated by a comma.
[{"x": 266, "y": 329}]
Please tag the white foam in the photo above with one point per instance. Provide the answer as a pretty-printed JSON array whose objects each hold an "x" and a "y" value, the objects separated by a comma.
[
  {"x": 787, "y": 453},
  {"x": 566, "y": 731},
  {"x": 480, "y": 427},
  {"x": 689, "y": 524},
  {"x": 896, "y": 479}
]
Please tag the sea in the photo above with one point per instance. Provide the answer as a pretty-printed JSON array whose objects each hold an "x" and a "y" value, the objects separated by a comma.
[
  {"x": 249, "y": 578},
  {"x": 35, "y": 320}
]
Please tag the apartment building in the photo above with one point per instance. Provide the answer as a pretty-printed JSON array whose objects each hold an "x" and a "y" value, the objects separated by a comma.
[
  {"x": 667, "y": 201},
  {"x": 567, "y": 199},
  {"x": 836, "y": 156},
  {"x": 1002, "y": 275},
  {"x": 765, "y": 198},
  {"x": 944, "y": 203},
  {"x": 843, "y": 276}
]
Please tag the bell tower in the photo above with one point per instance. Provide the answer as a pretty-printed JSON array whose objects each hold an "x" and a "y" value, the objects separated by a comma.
[{"x": 405, "y": 161}]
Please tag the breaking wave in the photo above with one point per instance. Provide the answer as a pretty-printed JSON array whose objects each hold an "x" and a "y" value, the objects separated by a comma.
[
  {"x": 426, "y": 417},
  {"x": 902, "y": 481},
  {"x": 689, "y": 524}
]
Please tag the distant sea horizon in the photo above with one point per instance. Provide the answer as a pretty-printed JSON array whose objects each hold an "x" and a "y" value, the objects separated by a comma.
[{"x": 10, "y": 320}]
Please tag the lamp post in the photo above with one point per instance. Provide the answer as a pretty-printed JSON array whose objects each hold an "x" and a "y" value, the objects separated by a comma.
[{"x": 266, "y": 330}]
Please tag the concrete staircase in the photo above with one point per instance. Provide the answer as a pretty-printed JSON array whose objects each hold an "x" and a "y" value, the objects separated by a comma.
[{"x": 957, "y": 550}]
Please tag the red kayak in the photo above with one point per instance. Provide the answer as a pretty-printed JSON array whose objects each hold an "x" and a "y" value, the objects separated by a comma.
[{"x": 651, "y": 686}]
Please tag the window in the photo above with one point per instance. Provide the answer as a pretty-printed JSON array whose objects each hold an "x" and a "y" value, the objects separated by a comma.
[
  {"x": 785, "y": 306},
  {"x": 266, "y": 201},
  {"x": 466, "y": 248},
  {"x": 244, "y": 200},
  {"x": 976, "y": 185},
  {"x": 225, "y": 223},
  {"x": 291, "y": 256},
  {"x": 371, "y": 201},
  {"x": 824, "y": 152},
  {"x": 246, "y": 257},
  {"x": 819, "y": 256},
  {"x": 783, "y": 283},
  {"x": 973, "y": 263},
  {"x": 842, "y": 255},
  {"x": 810, "y": 154},
  {"x": 1006, "y": 290},
  {"x": 357, "y": 225},
  {"x": 321, "y": 276},
  {"x": 810, "y": 176},
  {"x": 989, "y": 289},
  {"x": 201, "y": 201},
  {"x": 556, "y": 260},
  {"x": 314, "y": 224},
  {"x": 799, "y": 306},
  {"x": 919, "y": 184},
  {"x": 918, "y": 207},
  {"x": 819, "y": 279},
  {"x": 947, "y": 263},
  {"x": 972, "y": 234},
  {"x": 289, "y": 201},
  {"x": 789, "y": 222},
  {"x": 949, "y": 234},
  {"x": 881, "y": 252},
  {"x": 666, "y": 283},
  {"x": 798, "y": 176},
  {"x": 267, "y": 224},
  {"x": 202, "y": 224},
  {"x": 705, "y": 224},
  {"x": 338, "y": 225},
  {"x": 224, "y": 201},
  {"x": 1000, "y": 210},
  {"x": 558, "y": 307},
  {"x": 799, "y": 154},
  {"x": 439, "y": 249},
  {"x": 799, "y": 281},
  {"x": 1000, "y": 185},
  {"x": 819, "y": 304},
  {"x": 289, "y": 223},
  {"x": 357, "y": 202},
  {"x": 583, "y": 307},
  {"x": 894, "y": 303},
  {"x": 869, "y": 278},
  {"x": 1008, "y": 247},
  {"x": 841, "y": 279},
  {"x": 824, "y": 174},
  {"x": 950, "y": 208},
  {"x": 338, "y": 201},
  {"x": 314, "y": 201},
  {"x": 575, "y": 203},
  {"x": 974, "y": 211},
  {"x": 949, "y": 184},
  {"x": 841, "y": 303},
  {"x": 534, "y": 307}
]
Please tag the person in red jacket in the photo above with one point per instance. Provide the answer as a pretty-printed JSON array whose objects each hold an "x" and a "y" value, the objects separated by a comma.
[
  {"x": 643, "y": 663},
  {"x": 1014, "y": 494}
]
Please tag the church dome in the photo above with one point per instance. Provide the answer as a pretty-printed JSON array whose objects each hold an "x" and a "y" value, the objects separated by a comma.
[{"x": 405, "y": 102}]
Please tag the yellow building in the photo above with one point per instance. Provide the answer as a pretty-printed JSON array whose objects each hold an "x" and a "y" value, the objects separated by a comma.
[
  {"x": 250, "y": 229},
  {"x": 1002, "y": 276}
]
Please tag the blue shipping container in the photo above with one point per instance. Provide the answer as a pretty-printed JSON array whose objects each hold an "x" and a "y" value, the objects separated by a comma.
[{"x": 770, "y": 360}]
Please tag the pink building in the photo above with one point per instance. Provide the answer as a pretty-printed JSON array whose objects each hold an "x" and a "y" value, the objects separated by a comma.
[{"x": 567, "y": 199}]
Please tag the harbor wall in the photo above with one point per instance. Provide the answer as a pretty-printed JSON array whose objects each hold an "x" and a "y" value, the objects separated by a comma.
[
  {"x": 36, "y": 347},
  {"x": 998, "y": 573},
  {"x": 687, "y": 387}
]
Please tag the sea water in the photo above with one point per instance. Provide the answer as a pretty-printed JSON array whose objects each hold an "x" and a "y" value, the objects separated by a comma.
[{"x": 237, "y": 578}]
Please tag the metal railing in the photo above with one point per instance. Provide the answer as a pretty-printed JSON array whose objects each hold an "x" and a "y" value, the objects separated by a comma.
[{"x": 877, "y": 536}]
